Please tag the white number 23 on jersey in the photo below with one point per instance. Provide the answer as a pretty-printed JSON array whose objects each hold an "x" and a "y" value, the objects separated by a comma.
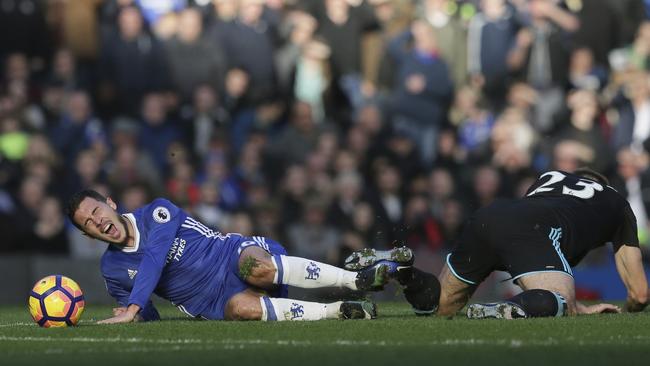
[{"x": 586, "y": 191}]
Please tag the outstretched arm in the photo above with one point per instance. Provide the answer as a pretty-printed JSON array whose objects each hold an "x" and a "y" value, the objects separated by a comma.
[
  {"x": 630, "y": 268},
  {"x": 121, "y": 295}
]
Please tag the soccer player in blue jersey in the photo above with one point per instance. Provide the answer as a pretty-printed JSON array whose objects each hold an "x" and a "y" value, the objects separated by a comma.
[{"x": 207, "y": 274}]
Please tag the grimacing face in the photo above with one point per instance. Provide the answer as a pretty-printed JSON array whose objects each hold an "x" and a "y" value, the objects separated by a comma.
[{"x": 100, "y": 221}]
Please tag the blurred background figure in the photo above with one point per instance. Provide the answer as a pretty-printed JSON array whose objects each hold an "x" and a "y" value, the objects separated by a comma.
[
  {"x": 132, "y": 63},
  {"x": 423, "y": 89},
  {"x": 194, "y": 60}
]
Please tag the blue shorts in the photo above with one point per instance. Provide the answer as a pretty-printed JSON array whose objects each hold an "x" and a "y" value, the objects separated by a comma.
[{"x": 232, "y": 282}]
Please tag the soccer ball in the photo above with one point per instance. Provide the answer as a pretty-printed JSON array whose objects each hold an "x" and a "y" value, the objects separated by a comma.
[{"x": 56, "y": 301}]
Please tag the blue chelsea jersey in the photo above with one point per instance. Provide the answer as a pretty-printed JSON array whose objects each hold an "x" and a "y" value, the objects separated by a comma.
[{"x": 174, "y": 256}]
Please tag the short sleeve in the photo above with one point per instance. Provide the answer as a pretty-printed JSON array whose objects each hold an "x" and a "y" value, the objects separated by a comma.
[{"x": 626, "y": 234}]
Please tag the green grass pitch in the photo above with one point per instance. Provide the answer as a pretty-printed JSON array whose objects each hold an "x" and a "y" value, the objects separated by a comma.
[{"x": 396, "y": 338}]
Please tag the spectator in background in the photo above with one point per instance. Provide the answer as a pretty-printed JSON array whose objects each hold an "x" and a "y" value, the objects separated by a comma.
[
  {"x": 23, "y": 29},
  {"x": 631, "y": 13},
  {"x": 77, "y": 129},
  {"x": 206, "y": 117},
  {"x": 17, "y": 78},
  {"x": 393, "y": 16},
  {"x": 633, "y": 127},
  {"x": 65, "y": 71},
  {"x": 599, "y": 27},
  {"x": 49, "y": 234},
  {"x": 236, "y": 98},
  {"x": 317, "y": 165},
  {"x": 491, "y": 35},
  {"x": 348, "y": 192},
  {"x": 312, "y": 235},
  {"x": 451, "y": 222},
  {"x": 31, "y": 195},
  {"x": 512, "y": 141},
  {"x": 402, "y": 152},
  {"x": 584, "y": 73},
  {"x": 166, "y": 28},
  {"x": 523, "y": 98},
  {"x": 130, "y": 165},
  {"x": 312, "y": 79},
  {"x": 541, "y": 56},
  {"x": 486, "y": 186},
  {"x": 132, "y": 63},
  {"x": 267, "y": 218},
  {"x": 77, "y": 25},
  {"x": 134, "y": 196},
  {"x": 298, "y": 139},
  {"x": 449, "y": 155},
  {"x": 441, "y": 188},
  {"x": 225, "y": 10},
  {"x": 569, "y": 155},
  {"x": 386, "y": 200},
  {"x": 207, "y": 209},
  {"x": 635, "y": 56},
  {"x": 240, "y": 222},
  {"x": 422, "y": 230},
  {"x": 582, "y": 127},
  {"x": 158, "y": 132},
  {"x": 40, "y": 149},
  {"x": 193, "y": 60},
  {"x": 423, "y": 89},
  {"x": 248, "y": 42},
  {"x": 181, "y": 186},
  {"x": 451, "y": 37},
  {"x": 360, "y": 231},
  {"x": 475, "y": 123},
  {"x": 633, "y": 182},
  {"x": 245, "y": 174},
  {"x": 52, "y": 102},
  {"x": 342, "y": 23},
  {"x": 300, "y": 28},
  {"x": 87, "y": 171},
  {"x": 295, "y": 191}
]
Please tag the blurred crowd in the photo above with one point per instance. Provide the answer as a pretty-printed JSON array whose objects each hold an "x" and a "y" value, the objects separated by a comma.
[{"x": 328, "y": 125}]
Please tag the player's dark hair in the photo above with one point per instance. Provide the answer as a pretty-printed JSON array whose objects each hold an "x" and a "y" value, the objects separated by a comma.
[
  {"x": 591, "y": 174},
  {"x": 75, "y": 201}
]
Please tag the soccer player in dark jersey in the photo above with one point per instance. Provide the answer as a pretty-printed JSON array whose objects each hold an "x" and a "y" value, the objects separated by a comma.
[
  {"x": 207, "y": 274},
  {"x": 537, "y": 239}
]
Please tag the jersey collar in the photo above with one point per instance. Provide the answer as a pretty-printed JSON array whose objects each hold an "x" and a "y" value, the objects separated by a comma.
[{"x": 131, "y": 218}]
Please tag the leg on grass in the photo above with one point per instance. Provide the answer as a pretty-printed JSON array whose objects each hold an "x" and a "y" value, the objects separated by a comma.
[
  {"x": 558, "y": 283},
  {"x": 258, "y": 268},
  {"x": 421, "y": 290},
  {"x": 251, "y": 305},
  {"x": 454, "y": 293}
]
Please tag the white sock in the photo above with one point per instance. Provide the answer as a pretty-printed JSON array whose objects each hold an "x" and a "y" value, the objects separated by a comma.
[
  {"x": 305, "y": 273},
  {"x": 276, "y": 309}
]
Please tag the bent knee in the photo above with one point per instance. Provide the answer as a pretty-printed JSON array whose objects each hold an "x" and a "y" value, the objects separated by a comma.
[
  {"x": 257, "y": 271},
  {"x": 247, "y": 307}
]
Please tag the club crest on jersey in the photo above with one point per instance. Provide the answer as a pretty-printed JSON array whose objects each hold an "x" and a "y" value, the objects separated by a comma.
[
  {"x": 313, "y": 271},
  {"x": 297, "y": 311},
  {"x": 161, "y": 214}
]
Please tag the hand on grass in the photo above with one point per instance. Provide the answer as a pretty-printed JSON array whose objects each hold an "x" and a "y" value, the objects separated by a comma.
[
  {"x": 599, "y": 309},
  {"x": 122, "y": 315}
]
